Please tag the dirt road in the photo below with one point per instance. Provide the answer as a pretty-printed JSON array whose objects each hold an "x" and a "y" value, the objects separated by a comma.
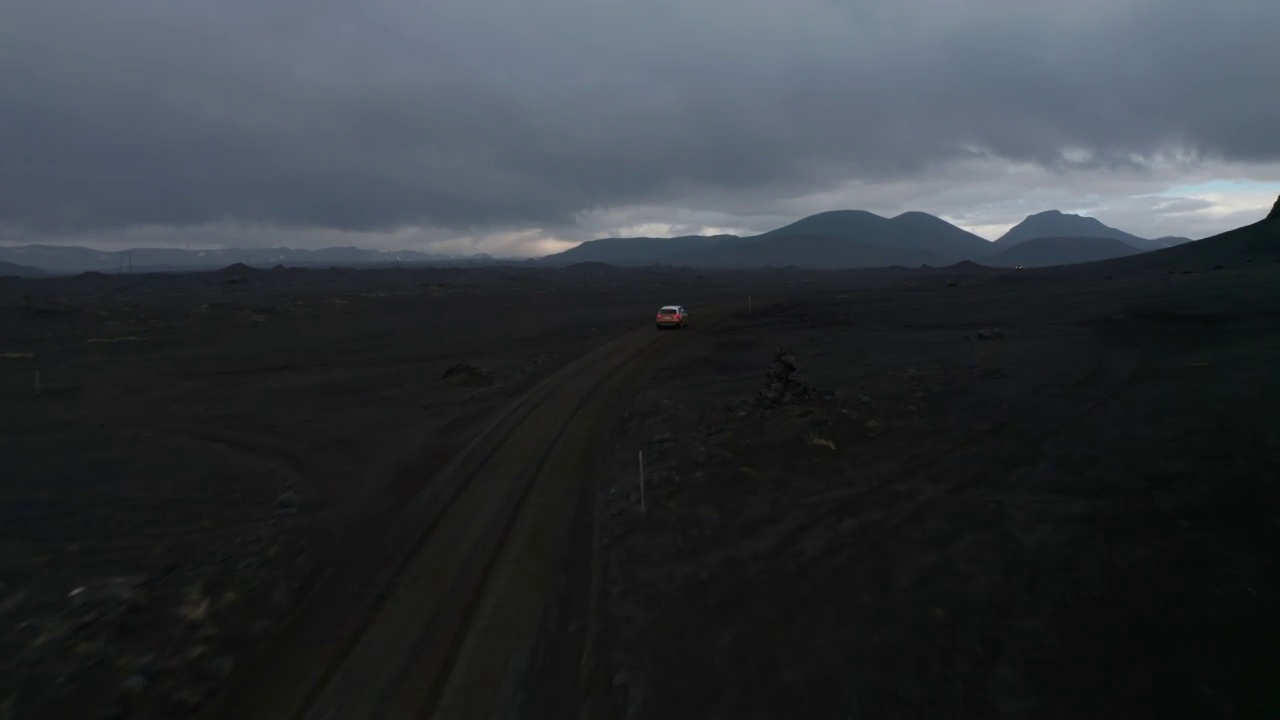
[{"x": 444, "y": 629}]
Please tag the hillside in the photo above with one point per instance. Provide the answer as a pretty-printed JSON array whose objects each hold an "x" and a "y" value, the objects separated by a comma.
[
  {"x": 817, "y": 252},
  {"x": 1250, "y": 244},
  {"x": 1050, "y": 251},
  {"x": 8, "y": 269},
  {"x": 1259, "y": 241},
  {"x": 1057, "y": 224}
]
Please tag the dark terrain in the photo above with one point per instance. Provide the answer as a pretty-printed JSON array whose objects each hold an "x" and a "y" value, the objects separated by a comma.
[
  {"x": 950, "y": 492},
  {"x": 1041, "y": 493},
  {"x": 202, "y": 446}
]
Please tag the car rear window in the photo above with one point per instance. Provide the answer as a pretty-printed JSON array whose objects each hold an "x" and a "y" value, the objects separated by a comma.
[{"x": 666, "y": 311}]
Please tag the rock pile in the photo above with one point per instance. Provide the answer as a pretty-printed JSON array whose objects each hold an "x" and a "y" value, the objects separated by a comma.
[{"x": 782, "y": 384}]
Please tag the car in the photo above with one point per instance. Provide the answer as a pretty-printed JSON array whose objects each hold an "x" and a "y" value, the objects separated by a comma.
[{"x": 675, "y": 316}]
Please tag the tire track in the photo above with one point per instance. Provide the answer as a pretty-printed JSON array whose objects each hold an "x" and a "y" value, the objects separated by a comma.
[
  {"x": 421, "y": 631},
  {"x": 343, "y": 599},
  {"x": 414, "y": 620},
  {"x": 519, "y": 602},
  {"x": 440, "y": 643}
]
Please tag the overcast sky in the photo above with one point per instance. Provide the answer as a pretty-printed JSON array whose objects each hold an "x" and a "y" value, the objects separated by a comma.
[{"x": 518, "y": 127}]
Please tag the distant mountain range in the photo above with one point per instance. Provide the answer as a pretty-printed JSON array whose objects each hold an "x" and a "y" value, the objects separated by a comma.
[
  {"x": 74, "y": 259},
  {"x": 845, "y": 239},
  {"x": 1056, "y": 224},
  {"x": 8, "y": 269},
  {"x": 835, "y": 240}
]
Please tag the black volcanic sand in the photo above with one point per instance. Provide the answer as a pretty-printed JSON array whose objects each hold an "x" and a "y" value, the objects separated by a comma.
[
  {"x": 1071, "y": 513},
  {"x": 205, "y": 444},
  {"x": 1036, "y": 494}
]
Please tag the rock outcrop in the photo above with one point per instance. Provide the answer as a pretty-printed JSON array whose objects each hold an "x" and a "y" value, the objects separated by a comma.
[
  {"x": 1275, "y": 211},
  {"x": 468, "y": 375},
  {"x": 782, "y": 384}
]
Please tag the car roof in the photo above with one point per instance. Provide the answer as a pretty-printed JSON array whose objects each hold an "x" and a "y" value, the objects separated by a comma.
[{"x": 669, "y": 307}]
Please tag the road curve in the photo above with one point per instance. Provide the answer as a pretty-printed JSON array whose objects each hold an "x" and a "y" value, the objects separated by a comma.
[{"x": 446, "y": 628}]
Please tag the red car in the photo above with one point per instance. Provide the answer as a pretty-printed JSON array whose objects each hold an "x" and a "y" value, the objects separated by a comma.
[{"x": 673, "y": 316}]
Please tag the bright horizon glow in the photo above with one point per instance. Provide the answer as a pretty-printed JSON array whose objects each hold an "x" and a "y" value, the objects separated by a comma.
[{"x": 1223, "y": 186}]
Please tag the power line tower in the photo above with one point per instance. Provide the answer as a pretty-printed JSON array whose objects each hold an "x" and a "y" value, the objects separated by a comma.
[{"x": 126, "y": 260}]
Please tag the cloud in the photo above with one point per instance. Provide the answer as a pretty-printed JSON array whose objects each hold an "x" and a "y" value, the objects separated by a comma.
[{"x": 504, "y": 123}]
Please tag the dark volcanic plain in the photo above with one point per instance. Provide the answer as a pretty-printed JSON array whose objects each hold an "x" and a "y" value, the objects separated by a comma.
[{"x": 925, "y": 493}]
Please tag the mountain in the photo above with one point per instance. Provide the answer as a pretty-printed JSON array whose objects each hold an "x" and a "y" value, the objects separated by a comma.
[
  {"x": 848, "y": 224},
  {"x": 1054, "y": 223},
  {"x": 908, "y": 239},
  {"x": 936, "y": 235},
  {"x": 8, "y": 269},
  {"x": 810, "y": 252},
  {"x": 1171, "y": 240},
  {"x": 634, "y": 250},
  {"x": 73, "y": 259},
  {"x": 908, "y": 231},
  {"x": 1050, "y": 251}
]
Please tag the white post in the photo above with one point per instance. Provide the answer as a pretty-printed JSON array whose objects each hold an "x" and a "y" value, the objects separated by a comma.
[
  {"x": 642, "y": 507},
  {"x": 37, "y": 381}
]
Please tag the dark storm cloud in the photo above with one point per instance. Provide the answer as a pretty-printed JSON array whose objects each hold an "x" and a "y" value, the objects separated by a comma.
[{"x": 487, "y": 113}]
